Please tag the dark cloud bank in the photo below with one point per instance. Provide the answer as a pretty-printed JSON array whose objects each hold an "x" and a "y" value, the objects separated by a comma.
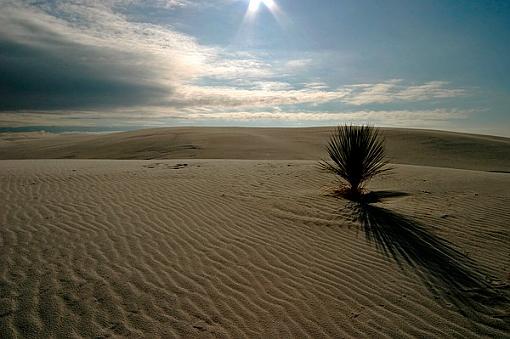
[{"x": 32, "y": 78}]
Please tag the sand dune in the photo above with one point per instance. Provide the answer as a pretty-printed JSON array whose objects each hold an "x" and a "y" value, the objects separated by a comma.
[
  {"x": 247, "y": 249},
  {"x": 405, "y": 146},
  {"x": 251, "y": 248}
]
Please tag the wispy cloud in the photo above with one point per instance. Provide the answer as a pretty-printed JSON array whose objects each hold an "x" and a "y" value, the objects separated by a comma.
[
  {"x": 396, "y": 90},
  {"x": 298, "y": 64},
  {"x": 281, "y": 93},
  {"x": 403, "y": 116}
]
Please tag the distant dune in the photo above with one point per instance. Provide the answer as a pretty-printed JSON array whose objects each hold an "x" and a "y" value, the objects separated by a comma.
[{"x": 405, "y": 146}]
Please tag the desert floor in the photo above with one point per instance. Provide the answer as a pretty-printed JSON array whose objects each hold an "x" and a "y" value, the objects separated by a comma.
[{"x": 254, "y": 248}]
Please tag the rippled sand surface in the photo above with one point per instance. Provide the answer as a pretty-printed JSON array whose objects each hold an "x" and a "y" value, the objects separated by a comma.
[{"x": 250, "y": 249}]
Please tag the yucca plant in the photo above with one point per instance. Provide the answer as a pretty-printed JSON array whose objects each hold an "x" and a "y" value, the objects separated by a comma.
[{"x": 357, "y": 154}]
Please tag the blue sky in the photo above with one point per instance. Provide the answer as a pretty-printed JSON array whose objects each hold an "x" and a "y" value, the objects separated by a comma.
[{"x": 126, "y": 63}]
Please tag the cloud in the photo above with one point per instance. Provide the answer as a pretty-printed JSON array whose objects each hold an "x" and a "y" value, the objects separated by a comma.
[
  {"x": 403, "y": 116},
  {"x": 162, "y": 116},
  {"x": 298, "y": 64},
  {"x": 83, "y": 62},
  {"x": 316, "y": 85},
  {"x": 396, "y": 91},
  {"x": 83, "y": 54},
  {"x": 270, "y": 94},
  {"x": 280, "y": 93},
  {"x": 49, "y": 62}
]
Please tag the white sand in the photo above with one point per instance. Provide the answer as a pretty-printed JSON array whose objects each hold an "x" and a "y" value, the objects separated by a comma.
[{"x": 252, "y": 248}]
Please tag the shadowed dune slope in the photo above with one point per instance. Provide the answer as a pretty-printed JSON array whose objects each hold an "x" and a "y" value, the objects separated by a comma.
[
  {"x": 405, "y": 146},
  {"x": 249, "y": 249}
]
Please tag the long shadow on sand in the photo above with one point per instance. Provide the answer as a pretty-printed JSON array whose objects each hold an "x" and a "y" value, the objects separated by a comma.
[{"x": 448, "y": 273}]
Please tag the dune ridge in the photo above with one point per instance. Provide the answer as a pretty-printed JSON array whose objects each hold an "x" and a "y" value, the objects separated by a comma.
[
  {"x": 405, "y": 146},
  {"x": 239, "y": 249}
]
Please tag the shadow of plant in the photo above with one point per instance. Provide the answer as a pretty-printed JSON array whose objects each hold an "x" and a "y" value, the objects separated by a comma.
[{"x": 448, "y": 273}]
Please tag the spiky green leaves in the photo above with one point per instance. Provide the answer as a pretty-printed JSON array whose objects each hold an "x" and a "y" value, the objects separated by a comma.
[{"x": 357, "y": 154}]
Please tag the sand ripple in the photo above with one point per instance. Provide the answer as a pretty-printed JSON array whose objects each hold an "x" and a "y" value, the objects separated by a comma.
[{"x": 238, "y": 249}]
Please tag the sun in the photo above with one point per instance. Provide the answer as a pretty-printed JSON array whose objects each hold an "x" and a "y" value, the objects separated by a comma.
[
  {"x": 255, "y": 4},
  {"x": 272, "y": 7}
]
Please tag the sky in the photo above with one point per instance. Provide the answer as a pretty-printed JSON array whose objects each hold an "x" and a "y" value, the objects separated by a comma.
[{"x": 124, "y": 64}]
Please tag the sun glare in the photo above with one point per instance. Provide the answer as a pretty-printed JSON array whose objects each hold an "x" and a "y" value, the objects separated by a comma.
[
  {"x": 255, "y": 5},
  {"x": 271, "y": 6},
  {"x": 269, "y": 3}
]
